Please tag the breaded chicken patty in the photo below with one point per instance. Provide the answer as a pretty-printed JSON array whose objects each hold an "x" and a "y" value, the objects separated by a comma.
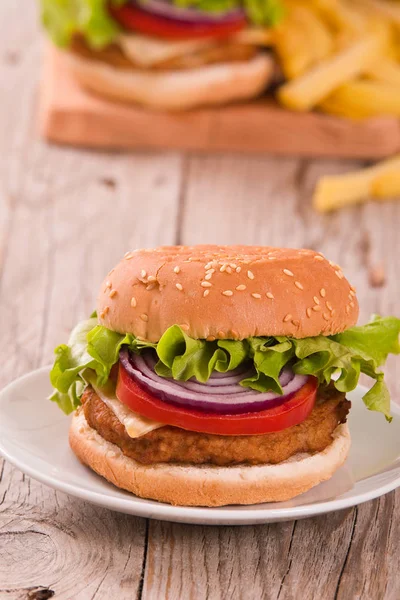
[
  {"x": 174, "y": 445},
  {"x": 219, "y": 52}
]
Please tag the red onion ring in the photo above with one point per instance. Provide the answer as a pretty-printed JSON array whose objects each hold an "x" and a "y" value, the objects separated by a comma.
[
  {"x": 164, "y": 8},
  {"x": 219, "y": 395}
]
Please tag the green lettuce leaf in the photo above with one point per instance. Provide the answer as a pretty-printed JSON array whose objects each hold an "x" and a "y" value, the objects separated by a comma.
[
  {"x": 90, "y": 346},
  {"x": 64, "y": 18},
  {"x": 91, "y": 18},
  {"x": 340, "y": 358},
  {"x": 182, "y": 357}
]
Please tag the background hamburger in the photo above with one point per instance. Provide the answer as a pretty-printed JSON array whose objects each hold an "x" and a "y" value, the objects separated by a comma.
[
  {"x": 169, "y": 54},
  {"x": 206, "y": 377}
]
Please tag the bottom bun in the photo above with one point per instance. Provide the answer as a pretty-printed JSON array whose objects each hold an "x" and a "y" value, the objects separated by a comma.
[
  {"x": 207, "y": 485},
  {"x": 176, "y": 90}
]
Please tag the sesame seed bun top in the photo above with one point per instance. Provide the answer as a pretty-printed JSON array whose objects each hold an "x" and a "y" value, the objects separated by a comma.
[{"x": 227, "y": 292}]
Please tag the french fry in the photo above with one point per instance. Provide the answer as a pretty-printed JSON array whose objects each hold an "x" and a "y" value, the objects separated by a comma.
[
  {"x": 386, "y": 71},
  {"x": 309, "y": 90},
  {"x": 340, "y": 16},
  {"x": 317, "y": 32},
  {"x": 385, "y": 8},
  {"x": 386, "y": 185},
  {"x": 333, "y": 192},
  {"x": 293, "y": 48},
  {"x": 364, "y": 99}
]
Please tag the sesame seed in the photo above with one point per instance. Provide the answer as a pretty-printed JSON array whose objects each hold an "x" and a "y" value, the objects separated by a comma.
[
  {"x": 309, "y": 312},
  {"x": 348, "y": 309},
  {"x": 227, "y": 293},
  {"x": 205, "y": 284},
  {"x": 241, "y": 288},
  {"x": 295, "y": 322},
  {"x": 205, "y": 293},
  {"x": 221, "y": 334},
  {"x": 287, "y": 272},
  {"x": 210, "y": 338},
  {"x": 208, "y": 276},
  {"x": 352, "y": 304},
  {"x": 339, "y": 274},
  {"x": 150, "y": 287},
  {"x": 333, "y": 312},
  {"x": 270, "y": 295},
  {"x": 185, "y": 327},
  {"x": 250, "y": 275},
  {"x": 179, "y": 286},
  {"x": 128, "y": 256},
  {"x": 271, "y": 257},
  {"x": 228, "y": 270},
  {"x": 233, "y": 265},
  {"x": 329, "y": 306},
  {"x": 257, "y": 296},
  {"x": 318, "y": 257},
  {"x": 133, "y": 302},
  {"x": 143, "y": 273},
  {"x": 238, "y": 269},
  {"x": 113, "y": 293},
  {"x": 223, "y": 268},
  {"x": 298, "y": 285},
  {"x": 316, "y": 300},
  {"x": 316, "y": 308},
  {"x": 151, "y": 278},
  {"x": 353, "y": 289},
  {"x": 177, "y": 269},
  {"x": 287, "y": 318},
  {"x": 351, "y": 293},
  {"x": 144, "y": 317},
  {"x": 210, "y": 271},
  {"x": 322, "y": 291},
  {"x": 108, "y": 284},
  {"x": 326, "y": 316}
]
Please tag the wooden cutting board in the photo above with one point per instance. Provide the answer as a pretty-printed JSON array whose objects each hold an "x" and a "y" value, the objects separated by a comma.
[{"x": 71, "y": 115}]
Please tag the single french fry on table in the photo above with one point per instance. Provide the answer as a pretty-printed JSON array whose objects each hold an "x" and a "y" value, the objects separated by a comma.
[
  {"x": 337, "y": 191},
  {"x": 386, "y": 185},
  {"x": 364, "y": 99},
  {"x": 309, "y": 90}
]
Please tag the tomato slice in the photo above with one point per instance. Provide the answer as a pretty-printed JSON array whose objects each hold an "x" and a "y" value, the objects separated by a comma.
[
  {"x": 136, "y": 19},
  {"x": 292, "y": 412}
]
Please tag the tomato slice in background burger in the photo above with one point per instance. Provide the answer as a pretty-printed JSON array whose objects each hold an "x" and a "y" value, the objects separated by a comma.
[
  {"x": 136, "y": 19},
  {"x": 288, "y": 414}
]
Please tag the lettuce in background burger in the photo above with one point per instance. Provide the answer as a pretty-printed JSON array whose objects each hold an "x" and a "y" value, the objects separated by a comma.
[
  {"x": 216, "y": 375},
  {"x": 166, "y": 54}
]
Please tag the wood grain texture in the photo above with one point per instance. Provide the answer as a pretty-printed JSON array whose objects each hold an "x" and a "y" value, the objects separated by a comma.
[
  {"x": 65, "y": 217},
  {"x": 70, "y": 115}
]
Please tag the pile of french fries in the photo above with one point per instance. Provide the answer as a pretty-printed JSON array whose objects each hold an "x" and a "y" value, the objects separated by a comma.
[{"x": 340, "y": 56}]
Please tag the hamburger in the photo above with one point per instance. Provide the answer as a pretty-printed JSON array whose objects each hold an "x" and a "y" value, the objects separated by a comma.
[
  {"x": 215, "y": 375},
  {"x": 166, "y": 54}
]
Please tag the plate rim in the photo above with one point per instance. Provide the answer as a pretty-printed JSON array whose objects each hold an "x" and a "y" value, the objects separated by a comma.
[{"x": 147, "y": 508}]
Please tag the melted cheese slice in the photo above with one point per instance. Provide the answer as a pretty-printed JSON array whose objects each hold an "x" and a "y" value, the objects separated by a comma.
[
  {"x": 135, "y": 424},
  {"x": 147, "y": 51}
]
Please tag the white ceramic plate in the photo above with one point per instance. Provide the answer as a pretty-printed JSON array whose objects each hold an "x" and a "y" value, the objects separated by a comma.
[{"x": 34, "y": 438}]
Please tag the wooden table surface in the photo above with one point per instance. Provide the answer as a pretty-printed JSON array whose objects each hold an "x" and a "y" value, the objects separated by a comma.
[{"x": 66, "y": 217}]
